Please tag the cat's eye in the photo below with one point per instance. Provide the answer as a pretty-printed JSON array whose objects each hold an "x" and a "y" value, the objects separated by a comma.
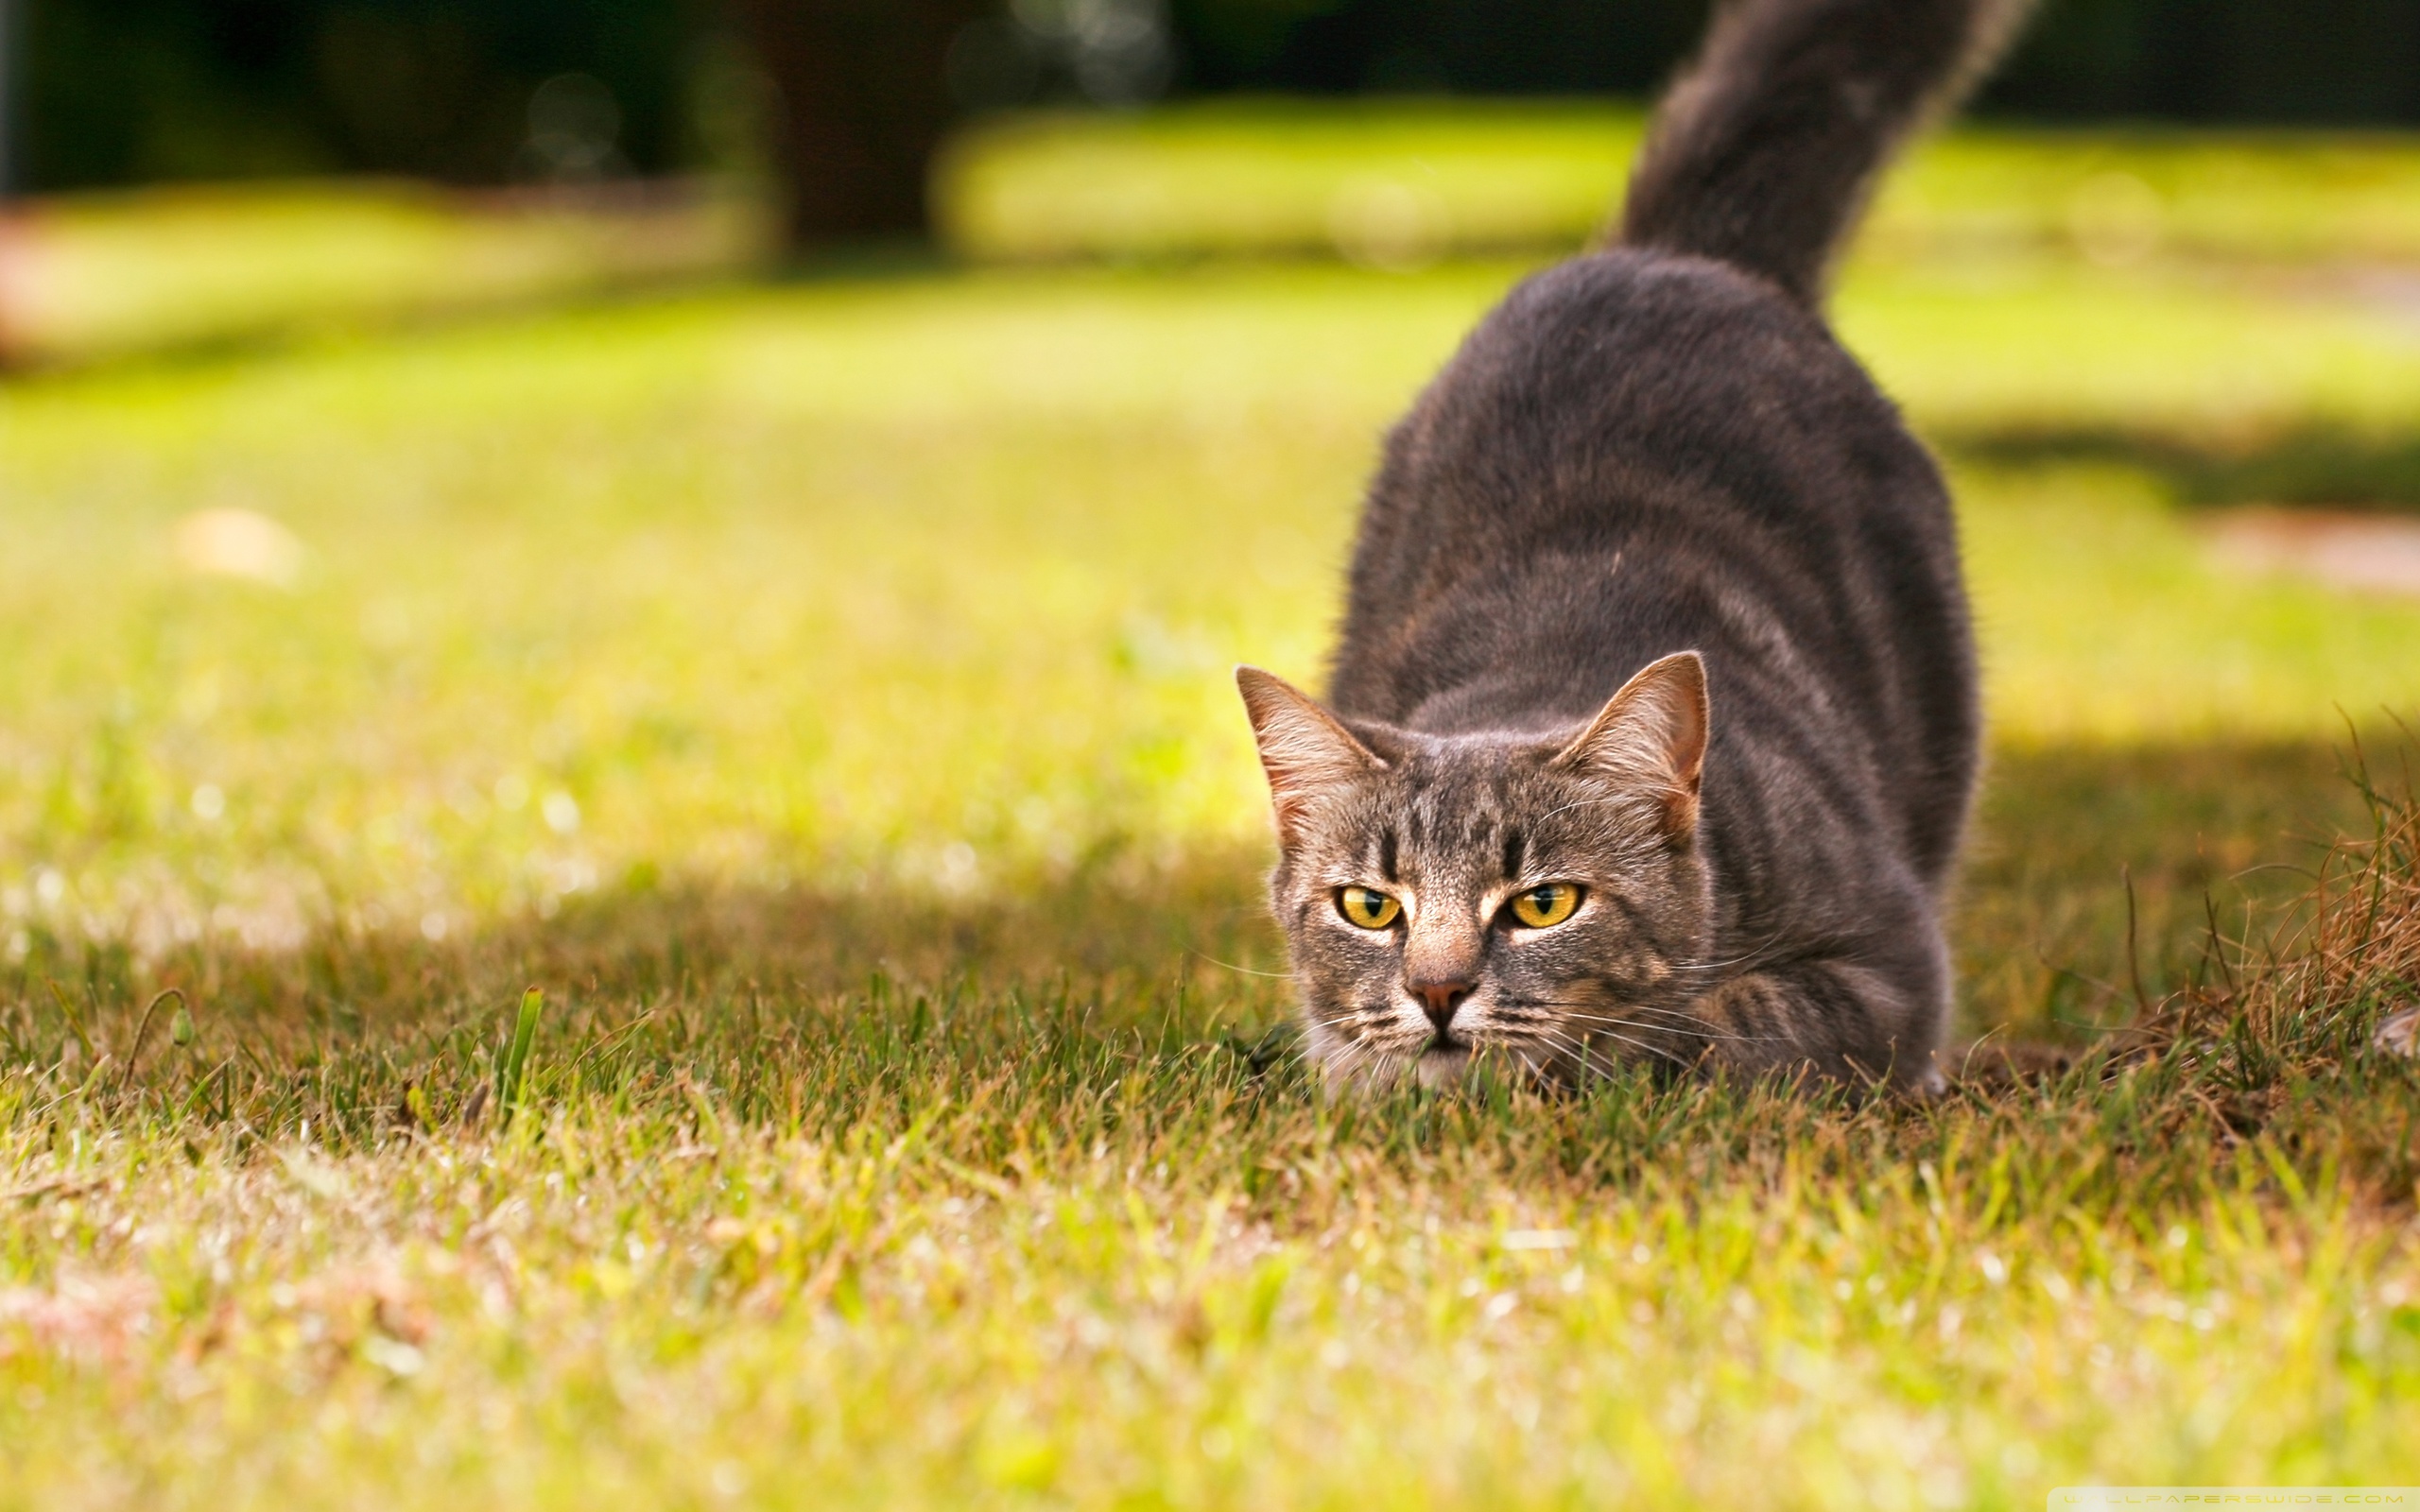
[
  {"x": 1366, "y": 908},
  {"x": 1545, "y": 908}
]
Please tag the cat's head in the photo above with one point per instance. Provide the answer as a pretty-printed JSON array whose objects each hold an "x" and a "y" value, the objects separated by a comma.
[{"x": 1533, "y": 902}]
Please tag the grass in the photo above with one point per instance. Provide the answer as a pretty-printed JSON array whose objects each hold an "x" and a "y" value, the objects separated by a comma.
[
  {"x": 819, "y": 692},
  {"x": 90, "y": 276},
  {"x": 1395, "y": 181},
  {"x": 1395, "y": 185}
]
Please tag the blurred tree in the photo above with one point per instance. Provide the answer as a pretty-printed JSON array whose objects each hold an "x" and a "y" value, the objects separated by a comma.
[
  {"x": 864, "y": 102},
  {"x": 1471, "y": 47},
  {"x": 2342, "y": 63},
  {"x": 133, "y": 90},
  {"x": 109, "y": 91},
  {"x": 8, "y": 97},
  {"x": 2316, "y": 62}
]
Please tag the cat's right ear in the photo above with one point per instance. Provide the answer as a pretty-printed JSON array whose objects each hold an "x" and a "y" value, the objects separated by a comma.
[{"x": 1304, "y": 750}]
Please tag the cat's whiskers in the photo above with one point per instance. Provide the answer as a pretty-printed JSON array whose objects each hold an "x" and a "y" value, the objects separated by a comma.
[
  {"x": 1241, "y": 971},
  {"x": 1513, "y": 1043},
  {"x": 1651, "y": 1049},
  {"x": 1687, "y": 1023},
  {"x": 1570, "y": 1051},
  {"x": 1585, "y": 1051},
  {"x": 1341, "y": 1066},
  {"x": 1391, "y": 1067},
  {"x": 1550, "y": 1030},
  {"x": 1375, "y": 1060},
  {"x": 1753, "y": 955}
]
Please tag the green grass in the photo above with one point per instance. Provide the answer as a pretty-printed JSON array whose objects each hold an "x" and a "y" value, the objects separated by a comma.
[
  {"x": 820, "y": 693},
  {"x": 94, "y": 275},
  {"x": 1408, "y": 180},
  {"x": 1389, "y": 184}
]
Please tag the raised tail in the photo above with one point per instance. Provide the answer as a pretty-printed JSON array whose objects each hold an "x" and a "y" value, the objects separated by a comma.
[{"x": 1762, "y": 155}]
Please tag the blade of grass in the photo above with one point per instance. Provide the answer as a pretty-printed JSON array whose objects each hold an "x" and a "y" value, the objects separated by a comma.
[{"x": 514, "y": 1081}]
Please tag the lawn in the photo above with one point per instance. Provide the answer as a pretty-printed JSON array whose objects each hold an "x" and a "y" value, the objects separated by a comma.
[{"x": 820, "y": 691}]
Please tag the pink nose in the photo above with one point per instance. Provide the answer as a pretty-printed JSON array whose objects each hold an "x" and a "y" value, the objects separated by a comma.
[{"x": 1439, "y": 999}]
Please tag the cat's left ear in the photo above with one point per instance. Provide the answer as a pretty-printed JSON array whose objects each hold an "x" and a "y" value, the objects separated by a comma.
[{"x": 1653, "y": 734}]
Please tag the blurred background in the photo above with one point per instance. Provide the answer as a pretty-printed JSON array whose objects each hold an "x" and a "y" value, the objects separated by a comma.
[
  {"x": 712, "y": 471},
  {"x": 404, "y": 154},
  {"x": 742, "y": 516}
]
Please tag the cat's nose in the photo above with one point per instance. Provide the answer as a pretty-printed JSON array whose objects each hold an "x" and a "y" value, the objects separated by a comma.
[{"x": 1439, "y": 999}]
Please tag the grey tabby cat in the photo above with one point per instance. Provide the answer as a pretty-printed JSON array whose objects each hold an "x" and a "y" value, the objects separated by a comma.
[{"x": 1654, "y": 719}]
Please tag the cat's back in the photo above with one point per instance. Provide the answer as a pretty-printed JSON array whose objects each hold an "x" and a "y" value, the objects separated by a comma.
[
  {"x": 1627, "y": 449},
  {"x": 1663, "y": 360}
]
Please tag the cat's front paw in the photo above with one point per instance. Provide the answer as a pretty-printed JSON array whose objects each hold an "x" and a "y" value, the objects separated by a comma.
[{"x": 2400, "y": 1034}]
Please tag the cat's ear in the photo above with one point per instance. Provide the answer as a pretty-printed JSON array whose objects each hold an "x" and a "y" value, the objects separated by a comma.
[
  {"x": 1654, "y": 735},
  {"x": 1304, "y": 750}
]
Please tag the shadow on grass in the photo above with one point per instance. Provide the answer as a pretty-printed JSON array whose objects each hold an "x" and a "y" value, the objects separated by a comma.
[
  {"x": 2219, "y": 835},
  {"x": 722, "y": 980},
  {"x": 1189, "y": 943},
  {"x": 1082, "y": 1028},
  {"x": 2310, "y": 465}
]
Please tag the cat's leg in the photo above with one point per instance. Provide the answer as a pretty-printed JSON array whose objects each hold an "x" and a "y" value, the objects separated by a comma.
[{"x": 1852, "y": 1020}]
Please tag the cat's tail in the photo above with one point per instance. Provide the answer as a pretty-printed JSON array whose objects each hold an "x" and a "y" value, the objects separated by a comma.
[{"x": 1762, "y": 154}]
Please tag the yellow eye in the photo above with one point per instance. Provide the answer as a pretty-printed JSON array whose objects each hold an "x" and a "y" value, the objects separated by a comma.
[
  {"x": 1366, "y": 908},
  {"x": 1545, "y": 908}
]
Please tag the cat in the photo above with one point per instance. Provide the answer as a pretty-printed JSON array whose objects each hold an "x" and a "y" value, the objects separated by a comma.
[{"x": 1653, "y": 722}]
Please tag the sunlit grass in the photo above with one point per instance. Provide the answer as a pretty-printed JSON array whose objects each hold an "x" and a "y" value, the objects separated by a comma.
[
  {"x": 1410, "y": 180},
  {"x": 821, "y": 693},
  {"x": 1105, "y": 1270},
  {"x": 866, "y": 579},
  {"x": 1390, "y": 183},
  {"x": 92, "y": 276}
]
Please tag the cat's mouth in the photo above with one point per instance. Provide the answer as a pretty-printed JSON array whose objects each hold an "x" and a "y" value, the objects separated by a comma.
[{"x": 1443, "y": 1063}]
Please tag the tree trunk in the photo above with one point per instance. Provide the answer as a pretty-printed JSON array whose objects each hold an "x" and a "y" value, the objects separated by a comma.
[
  {"x": 864, "y": 104},
  {"x": 7, "y": 99}
]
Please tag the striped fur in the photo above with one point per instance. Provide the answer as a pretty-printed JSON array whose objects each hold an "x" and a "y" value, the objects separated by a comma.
[{"x": 1654, "y": 451}]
